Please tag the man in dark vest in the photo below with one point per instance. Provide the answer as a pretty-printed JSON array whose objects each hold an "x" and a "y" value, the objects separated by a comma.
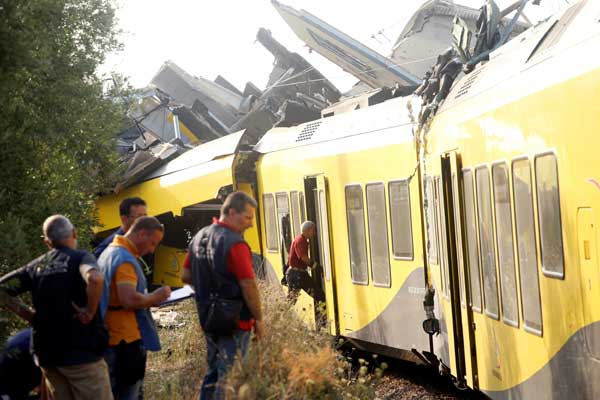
[
  {"x": 69, "y": 337},
  {"x": 221, "y": 265}
]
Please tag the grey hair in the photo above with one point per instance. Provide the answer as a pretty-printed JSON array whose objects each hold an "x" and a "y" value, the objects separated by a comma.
[
  {"x": 57, "y": 228},
  {"x": 306, "y": 225}
]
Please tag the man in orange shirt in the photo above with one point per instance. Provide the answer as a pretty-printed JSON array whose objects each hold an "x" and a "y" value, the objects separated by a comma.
[{"x": 125, "y": 306}]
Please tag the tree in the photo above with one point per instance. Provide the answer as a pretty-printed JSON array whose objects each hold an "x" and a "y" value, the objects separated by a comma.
[{"x": 56, "y": 125}]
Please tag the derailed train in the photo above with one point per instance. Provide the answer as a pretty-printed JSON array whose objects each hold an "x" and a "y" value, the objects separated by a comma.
[{"x": 489, "y": 214}]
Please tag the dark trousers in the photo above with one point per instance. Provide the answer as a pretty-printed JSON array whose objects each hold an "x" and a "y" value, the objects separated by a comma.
[
  {"x": 127, "y": 366},
  {"x": 220, "y": 355},
  {"x": 297, "y": 280}
]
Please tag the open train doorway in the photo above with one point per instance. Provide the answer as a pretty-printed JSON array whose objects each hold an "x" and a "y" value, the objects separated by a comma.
[
  {"x": 179, "y": 231},
  {"x": 317, "y": 210}
]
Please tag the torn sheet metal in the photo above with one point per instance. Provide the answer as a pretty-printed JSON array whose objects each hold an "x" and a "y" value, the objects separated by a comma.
[
  {"x": 185, "y": 89},
  {"x": 364, "y": 63}
]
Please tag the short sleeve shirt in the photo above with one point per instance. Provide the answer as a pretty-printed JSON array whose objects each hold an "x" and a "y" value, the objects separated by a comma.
[
  {"x": 239, "y": 260},
  {"x": 298, "y": 250},
  {"x": 122, "y": 323}
]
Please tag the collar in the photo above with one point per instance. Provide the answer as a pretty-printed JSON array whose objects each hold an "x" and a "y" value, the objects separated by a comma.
[
  {"x": 122, "y": 241},
  {"x": 226, "y": 225}
]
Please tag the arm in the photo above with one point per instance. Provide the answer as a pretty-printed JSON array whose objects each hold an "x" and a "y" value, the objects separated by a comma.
[
  {"x": 95, "y": 281},
  {"x": 130, "y": 298},
  {"x": 14, "y": 284},
  {"x": 252, "y": 298},
  {"x": 16, "y": 306},
  {"x": 186, "y": 274},
  {"x": 302, "y": 252},
  {"x": 239, "y": 262}
]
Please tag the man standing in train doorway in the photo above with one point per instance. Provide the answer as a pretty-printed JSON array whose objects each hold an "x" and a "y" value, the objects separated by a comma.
[
  {"x": 297, "y": 275},
  {"x": 226, "y": 292}
]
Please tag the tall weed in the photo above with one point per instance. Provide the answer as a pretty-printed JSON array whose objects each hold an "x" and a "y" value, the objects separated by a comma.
[{"x": 290, "y": 362}]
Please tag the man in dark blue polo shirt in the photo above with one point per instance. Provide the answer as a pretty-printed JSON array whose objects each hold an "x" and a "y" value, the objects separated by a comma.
[{"x": 130, "y": 209}]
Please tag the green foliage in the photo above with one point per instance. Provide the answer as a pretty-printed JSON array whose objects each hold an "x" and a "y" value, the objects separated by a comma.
[{"x": 56, "y": 124}]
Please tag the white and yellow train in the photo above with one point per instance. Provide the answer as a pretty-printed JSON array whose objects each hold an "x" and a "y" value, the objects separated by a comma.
[{"x": 497, "y": 211}]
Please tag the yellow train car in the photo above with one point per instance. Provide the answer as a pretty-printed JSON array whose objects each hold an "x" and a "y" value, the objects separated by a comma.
[
  {"x": 511, "y": 200},
  {"x": 354, "y": 176},
  {"x": 184, "y": 195},
  {"x": 497, "y": 212}
]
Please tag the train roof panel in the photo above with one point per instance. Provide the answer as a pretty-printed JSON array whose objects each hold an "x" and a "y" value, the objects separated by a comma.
[
  {"x": 200, "y": 154},
  {"x": 391, "y": 113}
]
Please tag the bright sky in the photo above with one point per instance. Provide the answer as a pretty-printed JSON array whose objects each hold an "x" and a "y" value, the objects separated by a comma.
[{"x": 208, "y": 38}]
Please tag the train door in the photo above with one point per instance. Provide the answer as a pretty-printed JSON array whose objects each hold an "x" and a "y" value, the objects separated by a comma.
[
  {"x": 462, "y": 353},
  {"x": 590, "y": 274},
  {"x": 323, "y": 274}
]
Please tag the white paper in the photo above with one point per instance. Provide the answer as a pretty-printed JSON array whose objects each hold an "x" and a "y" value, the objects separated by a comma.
[{"x": 178, "y": 295}]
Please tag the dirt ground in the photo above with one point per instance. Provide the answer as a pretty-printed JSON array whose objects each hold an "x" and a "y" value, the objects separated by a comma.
[{"x": 405, "y": 381}]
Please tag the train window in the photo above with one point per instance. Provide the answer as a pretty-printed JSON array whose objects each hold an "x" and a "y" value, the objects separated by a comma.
[
  {"x": 432, "y": 252},
  {"x": 295, "y": 213},
  {"x": 526, "y": 250},
  {"x": 378, "y": 235},
  {"x": 548, "y": 202},
  {"x": 471, "y": 236},
  {"x": 402, "y": 241},
  {"x": 441, "y": 219},
  {"x": 301, "y": 203},
  {"x": 356, "y": 234},
  {"x": 270, "y": 222},
  {"x": 457, "y": 232},
  {"x": 486, "y": 240},
  {"x": 505, "y": 245},
  {"x": 285, "y": 225}
]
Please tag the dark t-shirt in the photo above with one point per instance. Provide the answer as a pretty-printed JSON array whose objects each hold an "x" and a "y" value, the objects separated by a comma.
[
  {"x": 56, "y": 281},
  {"x": 104, "y": 244}
]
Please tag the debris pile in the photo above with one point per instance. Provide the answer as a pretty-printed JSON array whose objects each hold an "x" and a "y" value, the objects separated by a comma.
[{"x": 179, "y": 111}]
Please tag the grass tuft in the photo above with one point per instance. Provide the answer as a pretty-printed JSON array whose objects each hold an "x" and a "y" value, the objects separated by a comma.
[{"x": 291, "y": 362}]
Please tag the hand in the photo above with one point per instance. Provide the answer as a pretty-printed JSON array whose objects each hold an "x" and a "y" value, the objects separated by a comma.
[
  {"x": 259, "y": 329},
  {"x": 84, "y": 315},
  {"x": 162, "y": 293}
]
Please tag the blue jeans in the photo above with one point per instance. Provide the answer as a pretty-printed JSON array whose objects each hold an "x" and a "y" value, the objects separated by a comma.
[
  {"x": 221, "y": 352},
  {"x": 126, "y": 366}
]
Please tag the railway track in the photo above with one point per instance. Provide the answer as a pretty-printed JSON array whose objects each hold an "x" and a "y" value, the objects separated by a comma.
[{"x": 406, "y": 380}]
